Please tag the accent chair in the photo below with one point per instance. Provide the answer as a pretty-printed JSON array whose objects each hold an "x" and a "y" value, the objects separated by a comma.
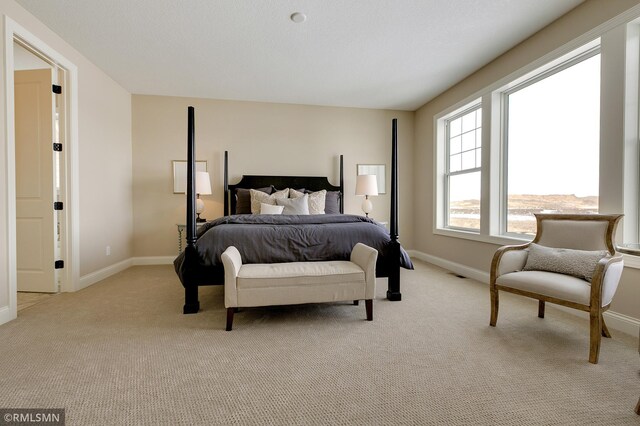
[{"x": 572, "y": 261}]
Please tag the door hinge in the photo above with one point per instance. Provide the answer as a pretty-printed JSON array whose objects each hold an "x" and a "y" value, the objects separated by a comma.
[
  {"x": 57, "y": 205},
  {"x": 56, "y": 89},
  {"x": 59, "y": 264},
  {"x": 57, "y": 147}
]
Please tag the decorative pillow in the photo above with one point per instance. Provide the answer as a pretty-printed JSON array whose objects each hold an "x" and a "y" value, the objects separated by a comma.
[
  {"x": 296, "y": 193},
  {"x": 298, "y": 205},
  {"x": 332, "y": 202},
  {"x": 243, "y": 199},
  {"x": 316, "y": 199},
  {"x": 578, "y": 263},
  {"x": 270, "y": 209},
  {"x": 258, "y": 197},
  {"x": 299, "y": 190}
]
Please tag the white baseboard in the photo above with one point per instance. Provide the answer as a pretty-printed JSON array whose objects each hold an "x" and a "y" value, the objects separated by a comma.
[
  {"x": 94, "y": 277},
  {"x": 459, "y": 269},
  {"x": 622, "y": 323},
  {"x": 153, "y": 260},
  {"x": 6, "y": 315},
  {"x": 614, "y": 320}
]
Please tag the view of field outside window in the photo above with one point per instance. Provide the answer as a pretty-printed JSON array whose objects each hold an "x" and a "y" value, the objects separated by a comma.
[
  {"x": 552, "y": 154},
  {"x": 553, "y": 146},
  {"x": 464, "y": 139}
]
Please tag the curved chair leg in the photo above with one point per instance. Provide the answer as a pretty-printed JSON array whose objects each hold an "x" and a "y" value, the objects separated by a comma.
[
  {"x": 494, "y": 307},
  {"x": 540, "y": 308},
  {"x": 595, "y": 328},
  {"x": 605, "y": 330}
]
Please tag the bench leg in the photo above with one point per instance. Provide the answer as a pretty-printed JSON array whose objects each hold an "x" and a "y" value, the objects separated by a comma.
[
  {"x": 356, "y": 302},
  {"x": 230, "y": 312},
  {"x": 368, "y": 304}
]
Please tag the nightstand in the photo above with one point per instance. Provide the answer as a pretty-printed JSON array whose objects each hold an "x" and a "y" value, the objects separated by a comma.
[{"x": 181, "y": 228}]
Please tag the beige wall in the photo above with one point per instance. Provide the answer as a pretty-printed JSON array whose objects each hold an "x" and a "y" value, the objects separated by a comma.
[
  {"x": 475, "y": 254},
  {"x": 262, "y": 138},
  {"x": 106, "y": 181},
  {"x": 104, "y": 148}
]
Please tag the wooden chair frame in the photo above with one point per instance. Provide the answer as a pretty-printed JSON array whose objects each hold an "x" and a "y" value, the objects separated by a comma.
[{"x": 598, "y": 328}]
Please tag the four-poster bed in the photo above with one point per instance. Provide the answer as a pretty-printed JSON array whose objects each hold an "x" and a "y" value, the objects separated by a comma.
[{"x": 283, "y": 238}]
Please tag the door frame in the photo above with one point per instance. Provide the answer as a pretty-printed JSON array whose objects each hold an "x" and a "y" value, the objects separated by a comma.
[{"x": 71, "y": 223}]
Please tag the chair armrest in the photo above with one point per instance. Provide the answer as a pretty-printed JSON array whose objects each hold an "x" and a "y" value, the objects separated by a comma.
[
  {"x": 232, "y": 262},
  {"x": 508, "y": 259},
  {"x": 605, "y": 280},
  {"x": 366, "y": 257}
]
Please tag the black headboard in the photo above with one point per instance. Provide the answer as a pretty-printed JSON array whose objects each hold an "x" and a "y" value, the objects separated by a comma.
[{"x": 311, "y": 183}]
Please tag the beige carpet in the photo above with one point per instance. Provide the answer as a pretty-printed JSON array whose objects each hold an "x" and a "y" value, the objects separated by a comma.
[{"x": 121, "y": 352}]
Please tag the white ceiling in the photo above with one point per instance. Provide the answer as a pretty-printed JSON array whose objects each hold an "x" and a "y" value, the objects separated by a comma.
[{"x": 389, "y": 54}]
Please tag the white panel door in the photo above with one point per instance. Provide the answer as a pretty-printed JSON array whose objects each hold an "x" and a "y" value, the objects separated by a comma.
[{"x": 34, "y": 181}]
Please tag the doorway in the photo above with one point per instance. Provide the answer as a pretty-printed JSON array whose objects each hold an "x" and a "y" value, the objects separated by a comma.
[
  {"x": 40, "y": 135},
  {"x": 66, "y": 222},
  {"x": 37, "y": 162}
]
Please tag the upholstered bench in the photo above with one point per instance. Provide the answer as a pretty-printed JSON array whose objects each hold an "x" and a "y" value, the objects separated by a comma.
[{"x": 268, "y": 284}]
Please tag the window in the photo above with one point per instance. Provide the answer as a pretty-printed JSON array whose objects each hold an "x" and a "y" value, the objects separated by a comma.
[
  {"x": 462, "y": 175},
  {"x": 542, "y": 153},
  {"x": 545, "y": 143},
  {"x": 552, "y": 143}
]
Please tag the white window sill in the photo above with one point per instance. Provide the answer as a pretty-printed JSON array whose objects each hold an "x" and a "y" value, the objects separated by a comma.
[
  {"x": 500, "y": 240},
  {"x": 631, "y": 257}
]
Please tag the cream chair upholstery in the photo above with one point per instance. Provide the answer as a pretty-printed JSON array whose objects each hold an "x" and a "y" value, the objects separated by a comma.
[{"x": 567, "y": 231}]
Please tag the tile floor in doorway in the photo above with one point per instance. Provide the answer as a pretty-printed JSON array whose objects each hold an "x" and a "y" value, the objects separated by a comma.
[{"x": 27, "y": 299}]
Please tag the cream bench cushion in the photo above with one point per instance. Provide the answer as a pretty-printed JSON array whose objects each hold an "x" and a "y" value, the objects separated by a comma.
[{"x": 299, "y": 273}]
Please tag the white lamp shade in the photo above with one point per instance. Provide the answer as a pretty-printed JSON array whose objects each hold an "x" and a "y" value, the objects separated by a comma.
[
  {"x": 366, "y": 185},
  {"x": 203, "y": 183}
]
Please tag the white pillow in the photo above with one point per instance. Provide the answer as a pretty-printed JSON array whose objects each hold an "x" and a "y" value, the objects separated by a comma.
[
  {"x": 298, "y": 205},
  {"x": 258, "y": 197},
  {"x": 270, "y": 209},
  {"x": 316, "y": 200}
]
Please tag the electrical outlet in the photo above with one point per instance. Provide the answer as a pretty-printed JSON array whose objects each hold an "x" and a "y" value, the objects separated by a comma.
[{"x": 108, "y": 250}]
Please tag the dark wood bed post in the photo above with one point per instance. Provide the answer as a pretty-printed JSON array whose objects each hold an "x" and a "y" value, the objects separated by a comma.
[
  {"x": 191, "y": 303},
  {"x": 226, "y": 183},
  {"x": 393, "y": 292},
  {"x": 341, "y": 184}
]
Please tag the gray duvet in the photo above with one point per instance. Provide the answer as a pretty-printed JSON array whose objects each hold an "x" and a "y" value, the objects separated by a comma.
[{"x": 284, "y": 238}]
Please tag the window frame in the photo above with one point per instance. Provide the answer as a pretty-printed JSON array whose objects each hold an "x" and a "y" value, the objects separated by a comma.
[
  {"x": 493, "y": 121},
  {"x": 447, "y": 172},
  {"x": 535, "y": 77}
]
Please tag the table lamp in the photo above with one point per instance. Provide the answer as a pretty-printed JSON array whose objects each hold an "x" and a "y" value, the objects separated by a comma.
[
  {"x": 366, "y": 185},
  {"x": 203, "y": 187}
]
